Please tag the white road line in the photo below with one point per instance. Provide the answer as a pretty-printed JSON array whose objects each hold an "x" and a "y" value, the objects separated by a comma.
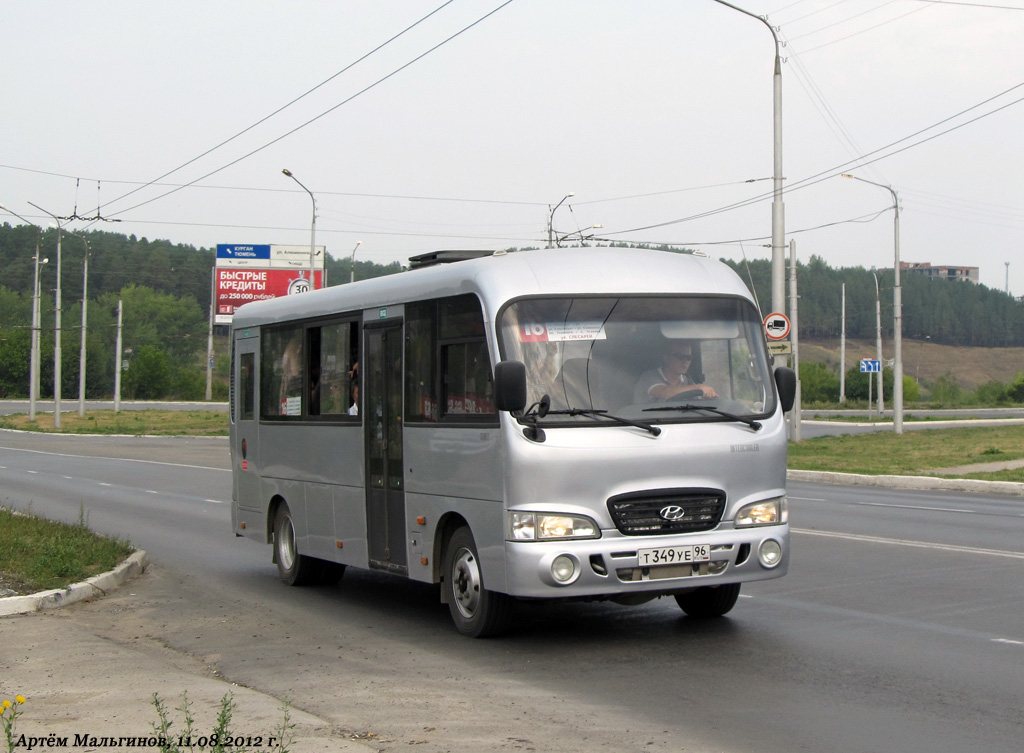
[
  {"x": 912, "y": 507},
  {"x": 806, "y": 499},
  {"x": 1007, "y": 640},
  {"x": 122, "y": 460},
  {"x": 917, "y": 544}
]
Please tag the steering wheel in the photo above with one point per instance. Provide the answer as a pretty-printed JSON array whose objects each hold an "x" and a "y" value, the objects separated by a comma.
[{"x": 688, "y": 395}]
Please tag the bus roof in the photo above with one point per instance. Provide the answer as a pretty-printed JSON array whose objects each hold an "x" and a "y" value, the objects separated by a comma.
[{"x": 503, "y": 276}]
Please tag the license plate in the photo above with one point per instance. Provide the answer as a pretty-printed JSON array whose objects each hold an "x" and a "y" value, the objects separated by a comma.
[{"x": 674, "y": 555}]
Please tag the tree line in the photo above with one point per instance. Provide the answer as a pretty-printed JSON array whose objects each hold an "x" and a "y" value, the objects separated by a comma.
[{"x": 166, "y": 293}]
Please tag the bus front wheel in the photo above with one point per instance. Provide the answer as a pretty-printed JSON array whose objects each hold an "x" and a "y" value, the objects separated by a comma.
[
  {"x": 295, "y": 569},
  {"x": 476, "y": 612},
  {"x": 709, "y": 601}
]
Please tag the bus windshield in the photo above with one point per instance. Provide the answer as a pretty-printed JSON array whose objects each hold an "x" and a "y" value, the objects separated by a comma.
[{"x": 653, "y": 359}]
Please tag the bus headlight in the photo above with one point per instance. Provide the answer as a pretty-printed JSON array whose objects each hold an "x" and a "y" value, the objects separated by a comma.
[
  {"x": 770, "y": 512},
  {"x": 540, "y": 526}
]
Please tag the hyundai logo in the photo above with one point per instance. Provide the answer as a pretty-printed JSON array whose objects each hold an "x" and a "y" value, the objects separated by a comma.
[{"x": 672, "y": 512}]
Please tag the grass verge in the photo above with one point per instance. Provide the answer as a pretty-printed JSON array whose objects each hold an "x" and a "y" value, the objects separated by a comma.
[
  {"x": 199, "y": 423},
  {"x": 916, "y": 453},
  {"x": 38, "y": 554}
]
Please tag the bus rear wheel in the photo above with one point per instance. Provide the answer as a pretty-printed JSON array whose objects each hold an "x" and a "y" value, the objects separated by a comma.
[
  {"x": 295, "y": 569},
  {"x": 709, "y": 601},
  {"x": 476, "y": 611}
]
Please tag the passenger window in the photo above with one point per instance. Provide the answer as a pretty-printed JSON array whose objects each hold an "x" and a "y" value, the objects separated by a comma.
[
  {"x": 448, "y": 369},
  {"x": 333, "y": 374},
  {"x": 247, "y": 388},
  {"x": 282, "y": 368}
]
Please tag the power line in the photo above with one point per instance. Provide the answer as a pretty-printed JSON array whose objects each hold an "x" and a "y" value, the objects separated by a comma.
[
  {"x": 850, "y": 164},
  {"x": 286, "y": 106},
  {"x": 326, "y": 112}
]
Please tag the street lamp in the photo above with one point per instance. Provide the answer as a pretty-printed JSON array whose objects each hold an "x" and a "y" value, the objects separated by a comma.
[
  {"x": 312, "y": 232},
  {"x": 897, "y": 314},
  {"x": 56, "y": 327},
  {"x": 778, "y": 208},
  {"x": 85, "y": 306},
  {"x": 551, "y": 217},
  {"x": 33, "y": 367},
  {"x": 878, "y": 342},
  {"x": 352, "y": 271}
]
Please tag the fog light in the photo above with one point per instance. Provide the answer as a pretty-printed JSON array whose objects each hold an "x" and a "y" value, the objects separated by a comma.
[
  {"x": 563, "y": 569},
  {"x": 770, "y": 553}
]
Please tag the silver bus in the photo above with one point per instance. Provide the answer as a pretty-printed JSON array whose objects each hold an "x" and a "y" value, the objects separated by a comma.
[{"x": 587, "y": 424}]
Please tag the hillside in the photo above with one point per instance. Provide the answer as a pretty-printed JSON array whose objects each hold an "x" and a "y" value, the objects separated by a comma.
[{"x": 925, "y": 361}]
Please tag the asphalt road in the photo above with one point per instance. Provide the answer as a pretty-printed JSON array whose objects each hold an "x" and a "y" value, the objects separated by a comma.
[{"x": 899, "y": 627}]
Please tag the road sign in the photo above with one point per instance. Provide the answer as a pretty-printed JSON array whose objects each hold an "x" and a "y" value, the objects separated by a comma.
[
  {"x": 780, "y": 348},
  {"x": 776, "y": 326},
  {"x": 870, "y": 365}
]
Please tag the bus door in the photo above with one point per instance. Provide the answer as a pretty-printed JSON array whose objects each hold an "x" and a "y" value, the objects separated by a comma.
[
  {"x": 246, "y": 434},
  {"x": 382, "y": 418}
]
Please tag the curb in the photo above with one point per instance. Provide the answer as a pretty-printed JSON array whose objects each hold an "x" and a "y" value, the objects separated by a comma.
[
  {"x": 924, "y": 483},
  {"x": 98, "y": 585}
]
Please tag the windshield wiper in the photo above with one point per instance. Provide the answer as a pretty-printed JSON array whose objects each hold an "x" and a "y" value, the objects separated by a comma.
[
  {"x": 755, "y": 425},
  {"x": 601, "y": 413}
]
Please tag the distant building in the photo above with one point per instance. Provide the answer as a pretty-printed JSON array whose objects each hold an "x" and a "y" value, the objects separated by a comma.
[{"x": 960, "y": 274}]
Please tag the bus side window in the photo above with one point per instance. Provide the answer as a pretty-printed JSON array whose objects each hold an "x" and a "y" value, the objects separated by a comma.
[
  {"x": 465, "y": 365},
  {"x": 335, "y": 390},
  {"x": 282, "y": 373},
  {"x": 247, "y": 388},
  {"x": 420, "y": 362}
]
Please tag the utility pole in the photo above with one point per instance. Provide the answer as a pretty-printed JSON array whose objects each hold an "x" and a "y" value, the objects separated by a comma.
[
  {"x": 33, "y": 363},
  {"x": 117, "y": 363},
  {"x": 794, "y": 434},
  {"x": 56, "y": 327},
  {"x": 85, "y": 307}
]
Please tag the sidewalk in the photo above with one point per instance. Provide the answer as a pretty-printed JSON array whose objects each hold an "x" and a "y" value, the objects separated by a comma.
[{"x": 81, "y": 682}]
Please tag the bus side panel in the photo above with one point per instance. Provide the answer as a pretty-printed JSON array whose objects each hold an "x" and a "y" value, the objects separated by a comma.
[
  {"x": 469, "y": 483},
  {"x": 350, "y": 527},
  {"x": 485, "y": 518},
  {"x": 320, "y": 458}
]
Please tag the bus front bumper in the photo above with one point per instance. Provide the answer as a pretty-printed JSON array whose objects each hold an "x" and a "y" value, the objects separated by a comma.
[{"x": 616, "y": 565}]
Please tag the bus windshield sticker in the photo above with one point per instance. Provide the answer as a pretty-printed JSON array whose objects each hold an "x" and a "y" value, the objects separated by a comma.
[{"x": 561, "y": 332}]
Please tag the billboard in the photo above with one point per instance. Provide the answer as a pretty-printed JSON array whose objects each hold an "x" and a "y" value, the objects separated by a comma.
[{"x": 253, "y": 272}]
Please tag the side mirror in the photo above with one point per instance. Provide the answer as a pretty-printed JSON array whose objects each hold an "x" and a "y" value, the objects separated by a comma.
[
  {"x": 785, "y": 380},
  {"x": 510, "y": 385}
]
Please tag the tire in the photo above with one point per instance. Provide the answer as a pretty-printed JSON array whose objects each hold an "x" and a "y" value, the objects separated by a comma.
[
  {"x": 295, "y": 569},
  {"x": 476, "y": 611},
  {"x": 709, "y": 601}
]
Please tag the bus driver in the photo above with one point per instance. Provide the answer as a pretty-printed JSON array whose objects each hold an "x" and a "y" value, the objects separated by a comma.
[{"x": 670, "y": 379}]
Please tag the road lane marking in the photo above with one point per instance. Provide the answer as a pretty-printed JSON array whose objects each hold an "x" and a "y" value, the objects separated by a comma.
[
  {"x": 121, "y": 460},
  {"x": 1007, "y": 640},
  {"x": 911, "y": 507},
  {"x": 907, "y": 542},
  {"x": 806, "y": 499}
]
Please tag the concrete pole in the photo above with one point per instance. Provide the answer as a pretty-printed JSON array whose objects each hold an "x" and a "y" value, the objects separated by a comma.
[
  {"x": 794, "y": 434},
  {"x": 117, "y": 362},
  {"x": 209, "y": 335},
  {"x": 85, "y": 308},
  {"x": 878, "y": 343},
  {"x": 778, "y": 207},
  {"x": 842, "y": 351}
]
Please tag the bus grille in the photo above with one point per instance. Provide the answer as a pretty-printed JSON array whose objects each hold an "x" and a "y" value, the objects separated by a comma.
[{"x": 667, "y": 511}]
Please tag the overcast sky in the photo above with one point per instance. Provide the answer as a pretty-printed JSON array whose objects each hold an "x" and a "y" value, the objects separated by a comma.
[{"x": 655, "y": 113}]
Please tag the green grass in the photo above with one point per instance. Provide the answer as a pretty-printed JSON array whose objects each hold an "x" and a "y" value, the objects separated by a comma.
[
  {"x": 200, "y": 423},
  {"x": 38, "y": 554},
  {"x": 914, "y": 453}
]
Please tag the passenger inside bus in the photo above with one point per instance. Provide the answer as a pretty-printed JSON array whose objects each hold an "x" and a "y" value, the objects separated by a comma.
[{"x": 671, "y": 379}]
